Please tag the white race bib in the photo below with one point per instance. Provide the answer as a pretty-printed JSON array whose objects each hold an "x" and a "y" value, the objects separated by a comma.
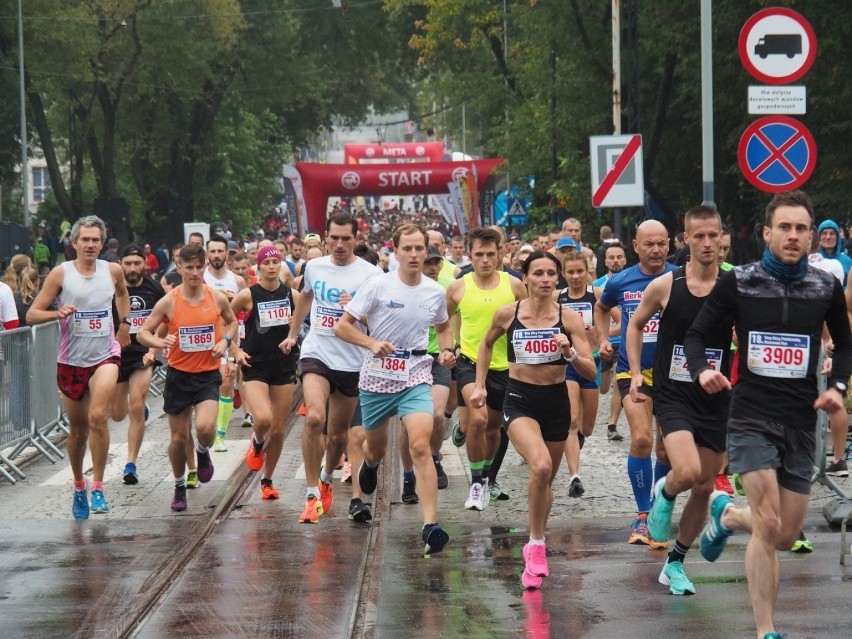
[
  {"x": 679, "y": 371},
  {"x": 137, "y": 318},
  {"x": 778, "y": 354},
  {"x": 535, "y": 345},
  {"x": 92, "y": 323},
  {"x": 273, "y": 313},
  {"x": 242, "y": 329},
  {"x": 395, "y": 366},
  {"x": 651, "y": 328},
  {"x": 584, "y": 309},
  {"x": 325, "y": 319},
  {"x": 195, "y": 339}
]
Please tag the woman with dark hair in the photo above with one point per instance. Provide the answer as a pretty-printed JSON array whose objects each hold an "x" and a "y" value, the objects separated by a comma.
[{"x": 543, "y": 338}]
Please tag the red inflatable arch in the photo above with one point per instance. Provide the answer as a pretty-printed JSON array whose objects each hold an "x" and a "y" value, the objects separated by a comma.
[
  {"x": 421, "y": 151},
  {"x": 321, "y": 181}
]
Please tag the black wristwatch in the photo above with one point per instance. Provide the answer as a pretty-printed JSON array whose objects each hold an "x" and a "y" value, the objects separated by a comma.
[
  {"x": 841, "y": 386},
  {"x": 126, "y": 320}
]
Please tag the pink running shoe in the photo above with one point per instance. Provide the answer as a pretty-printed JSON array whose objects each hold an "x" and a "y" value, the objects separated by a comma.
[
  {"x": 530, "y": 581},
  {"x": 535, "y": 558}
]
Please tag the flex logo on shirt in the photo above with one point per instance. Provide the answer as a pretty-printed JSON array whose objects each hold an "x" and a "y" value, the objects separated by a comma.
[{"x": 326, "y": 293}]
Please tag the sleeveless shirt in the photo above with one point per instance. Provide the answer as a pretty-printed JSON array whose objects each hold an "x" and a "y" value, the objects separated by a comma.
[
  {"x": 477, "y": 308},
  {"x": 197, "y": 328}
]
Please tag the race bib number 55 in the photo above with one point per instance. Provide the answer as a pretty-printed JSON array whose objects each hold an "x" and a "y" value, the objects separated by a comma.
[
  {"x": 778, "y": 354},
  {"x": 92, "y": 323}
]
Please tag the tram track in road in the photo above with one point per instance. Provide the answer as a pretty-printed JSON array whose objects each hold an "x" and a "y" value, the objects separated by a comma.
[{"x": 366, "y": 580}]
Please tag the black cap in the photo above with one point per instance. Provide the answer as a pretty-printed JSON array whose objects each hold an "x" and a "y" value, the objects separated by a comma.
[
  {"x": 133, "y": 249},
  {"x": 433, "y": 253},
  {"x": 513, "y": 237}
]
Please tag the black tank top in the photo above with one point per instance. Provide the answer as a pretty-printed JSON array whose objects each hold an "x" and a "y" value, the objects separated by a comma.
[
  {"x": 534, "y": 345},
  {"x": 265, "y": 327},
  {"x": 673, "y": 387},
  {"x": 584, "y": 305}
]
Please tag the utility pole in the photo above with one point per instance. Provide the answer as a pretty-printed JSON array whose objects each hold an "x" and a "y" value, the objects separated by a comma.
[
  {"x": 25, "y": 166},
  {"x": 707, "y": 103},
  {"x": 616, "y": 93}
]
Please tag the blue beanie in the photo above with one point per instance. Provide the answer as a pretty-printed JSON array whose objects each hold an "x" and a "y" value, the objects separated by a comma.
[{"x": 829, "y": 224}]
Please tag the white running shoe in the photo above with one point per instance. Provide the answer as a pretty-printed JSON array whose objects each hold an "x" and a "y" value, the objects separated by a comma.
[{"x": 474, "y": 500}]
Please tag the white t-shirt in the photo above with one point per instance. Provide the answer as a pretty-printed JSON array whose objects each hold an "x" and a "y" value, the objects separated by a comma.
[
  {"x": 328, "y": 282},
  {"x": 8, "y": 310},
  {"x": 828, "y": 265},
  {"x": 399, "y": 314}
]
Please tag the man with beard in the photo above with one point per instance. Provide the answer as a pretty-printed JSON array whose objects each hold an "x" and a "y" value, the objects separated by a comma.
[
  {"x": 219, "y": 278},
  {"x": 137, "y": 361}
]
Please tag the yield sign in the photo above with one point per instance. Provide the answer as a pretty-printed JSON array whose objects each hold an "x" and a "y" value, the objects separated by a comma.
[
  {"x": 777, "y": 154},
  {"x": 617, "y": 171}
]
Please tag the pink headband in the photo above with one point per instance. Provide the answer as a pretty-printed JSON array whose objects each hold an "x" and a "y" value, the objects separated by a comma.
[{"x": 267, "y": 252}]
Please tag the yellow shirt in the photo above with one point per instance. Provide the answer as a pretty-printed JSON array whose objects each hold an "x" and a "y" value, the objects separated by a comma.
[{"x": 477, "y": 309}]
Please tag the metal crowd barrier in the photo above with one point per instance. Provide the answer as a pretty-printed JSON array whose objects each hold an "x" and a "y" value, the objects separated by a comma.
[{"x": 30, "y": 408}]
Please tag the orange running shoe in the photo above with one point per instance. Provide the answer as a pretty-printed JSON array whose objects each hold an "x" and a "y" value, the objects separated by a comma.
[
  {"x": 255, "y": 456},
  {"x": 303, "y": 410},
  {"x": 267, "y": 490},
  {"x": 327, "y": 496},
  {"x": 724, "y": 484},
  {"x": 313, "y": 510}
]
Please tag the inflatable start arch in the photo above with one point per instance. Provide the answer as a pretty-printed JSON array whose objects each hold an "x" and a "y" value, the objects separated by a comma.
[{"x": 321, "y": 181}]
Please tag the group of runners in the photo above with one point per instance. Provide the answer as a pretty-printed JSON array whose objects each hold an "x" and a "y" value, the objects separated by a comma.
[{"x": 524, "y": 355}]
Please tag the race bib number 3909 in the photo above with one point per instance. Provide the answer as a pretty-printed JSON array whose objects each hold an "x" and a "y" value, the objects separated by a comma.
[{"x": 778, "y": 354}]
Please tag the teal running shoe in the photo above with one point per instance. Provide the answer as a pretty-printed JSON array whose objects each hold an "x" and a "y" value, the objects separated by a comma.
[
  {"x": 660, "y": 516},
  {"x": 774, "y": 635},
  {"x": 715, "y": 535},
  {"x": 80, "y": 505},
  {"x": 675, "y": 578},
  {"x": 99, "y": 502}
]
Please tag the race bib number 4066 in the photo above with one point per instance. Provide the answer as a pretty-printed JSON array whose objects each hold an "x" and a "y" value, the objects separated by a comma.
[
  {"x": 535, "y": 345},
  {"x": 778, "y": 354}
]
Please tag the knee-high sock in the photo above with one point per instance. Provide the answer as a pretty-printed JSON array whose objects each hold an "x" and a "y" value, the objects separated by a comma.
[
  {"x": 226, "y": 408},
  {"x": 660, "y": 470},
  {"x": 639, "y": 470}
]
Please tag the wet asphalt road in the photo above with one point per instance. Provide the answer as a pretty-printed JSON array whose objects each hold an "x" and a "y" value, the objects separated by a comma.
[{"x": 261, "y": 574}]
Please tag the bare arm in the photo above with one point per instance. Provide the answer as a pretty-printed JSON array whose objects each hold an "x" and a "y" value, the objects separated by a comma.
[
  {"x": 486, "y": 350},
  {"x": 653, "y": 300},
  {"x": 122, "y": 304},
  {"x": 163, "y": 309},
  {"x": 348, "y": 332},
  {"x": 303, "y": 306},
  {"x": 230, "y": 325},
  {"x": 39, "y": 312},
  {"x": 584, "y": 362}
]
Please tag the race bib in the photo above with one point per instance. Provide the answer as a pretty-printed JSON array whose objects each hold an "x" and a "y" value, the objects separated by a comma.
[
  {"x": 535, "y": 345},
  {"x": 92, "y": 323},
  {"x": 273, "y": 313},
  {"x": 778, "y": 354},
  {"x": 325, "y": 319},
  {"x": 395, "y": 366},
  {"x": 195, "y": 339},
  {"x": 679, "y": 371},
  {"x": 137, "y": 318},
  {"x": 242, "y": 329},
  {"x": 651, "y": 328},
  {"x": 584, "y": 309}
]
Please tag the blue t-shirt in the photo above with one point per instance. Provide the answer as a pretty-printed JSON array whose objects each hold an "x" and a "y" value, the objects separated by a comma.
[{"x": 625, "y": 290}]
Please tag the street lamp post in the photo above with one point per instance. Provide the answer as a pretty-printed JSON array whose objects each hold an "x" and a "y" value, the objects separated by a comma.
[{"x": 24, "y": 163}]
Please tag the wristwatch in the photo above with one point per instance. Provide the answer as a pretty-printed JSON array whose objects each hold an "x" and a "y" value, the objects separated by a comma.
[
  {"x": 126, "y": 320},
  {"x": 841, "y": 386}
]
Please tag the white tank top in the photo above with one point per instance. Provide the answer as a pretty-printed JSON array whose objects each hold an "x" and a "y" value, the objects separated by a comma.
[{"x": 87, "y": 337}]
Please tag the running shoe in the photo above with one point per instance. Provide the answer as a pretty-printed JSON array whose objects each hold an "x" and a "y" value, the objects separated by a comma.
[
  {"x": 313, "y": 510},
  {"x": 359, "y": 511},
  {"x": 660, "y": 515},
  {"x": 531, "y": 581},
  {"x": 267, "y": 490},
  {"x": 474, "y": 500},
  {"x": 715, "y": 535},
  {"x": 724, "y": 485},
  {"x": 147, "y": 412},
  {"x": 255, "y": 455},
  {"x": 238, "y": 401},
  {"x": 838, "y": 468},
  {"x": 205, "y": 466},
  {"x": 248, "y": 421},
  {"x": 409, "y": 491},
  {"x": 443, "y": 480},
  {"x": 535, "y": 560},
  {"x": 738, "y": 484},
  {"x": 192, "y": 479},
  {"x": 675, "y": 578},
  {"x": 130, "y": 476},
  {"x": 99, "y": 502},
  {"x": 802, "y": 544},
  {"x": 303, "y": 410},
  {"x": 774, "y": 635},
  {"x": 639, "y": 531},
  {"x": 612, "y": 434},
  {"x": 80, "y": 505},
  {"x": 346, "y": 473},
  {"x": 326, "y": 496},
  {"x": 458, "y": 436},
  {"x": 434, "y": 537},
  {"x": 179, "y": 500},
  {"x": 219, "y": 445},
  {"x": 496, "y": 493},
  {"x": 368, "y": 478},
  {"x": 575, "y": 488}
]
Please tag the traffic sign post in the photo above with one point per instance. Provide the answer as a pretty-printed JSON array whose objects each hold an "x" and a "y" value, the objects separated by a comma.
[
  {"x": 777, "y": 45},
  {"x": 617, "y": 171},
  {"x": 777, "y": 154},
  {"x": 517, "y": 212}
]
